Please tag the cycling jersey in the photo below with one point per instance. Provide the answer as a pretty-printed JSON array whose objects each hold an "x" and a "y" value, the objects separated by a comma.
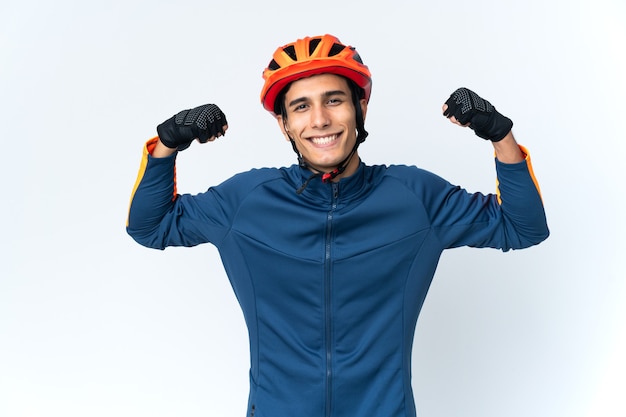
[{"x": 331, "y": 281}]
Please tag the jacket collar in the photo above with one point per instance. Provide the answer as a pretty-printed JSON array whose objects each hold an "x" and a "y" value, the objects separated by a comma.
[{"x": 349, "y": 188}]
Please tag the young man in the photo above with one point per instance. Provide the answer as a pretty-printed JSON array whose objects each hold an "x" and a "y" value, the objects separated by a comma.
[{"x": 331, "y": 259}]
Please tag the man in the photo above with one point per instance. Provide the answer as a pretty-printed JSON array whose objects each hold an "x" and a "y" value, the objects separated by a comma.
[{"x": 331, "y": 259}]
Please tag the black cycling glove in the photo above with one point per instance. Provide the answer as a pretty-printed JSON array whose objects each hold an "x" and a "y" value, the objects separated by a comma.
[
  {"x": 200, "y": 123},
  {"x": 467, "y": 107}
]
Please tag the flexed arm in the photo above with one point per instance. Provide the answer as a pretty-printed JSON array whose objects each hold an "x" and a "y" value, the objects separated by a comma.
[
  {"x": 516, "y": 214},
  {"x": 155, "y": 194}
]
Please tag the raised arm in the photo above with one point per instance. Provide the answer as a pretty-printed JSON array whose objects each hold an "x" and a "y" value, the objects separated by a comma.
[
  {"x": 155, "y": 194},
  {"x": 518, "y": 201}
]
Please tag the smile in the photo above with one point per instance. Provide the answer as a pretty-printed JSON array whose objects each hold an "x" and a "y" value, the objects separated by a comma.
[{"x": 324, "y": 140}]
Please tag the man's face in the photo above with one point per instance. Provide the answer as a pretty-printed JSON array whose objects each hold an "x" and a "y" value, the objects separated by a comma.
[{"x": 321, "y": 119}]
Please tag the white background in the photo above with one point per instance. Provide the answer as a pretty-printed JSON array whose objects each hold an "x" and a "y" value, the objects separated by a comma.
[{"x": 92, "y": 324}]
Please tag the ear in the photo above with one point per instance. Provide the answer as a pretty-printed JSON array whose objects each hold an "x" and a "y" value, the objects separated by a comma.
[
  {"x": 282, "y": 124},
  {"x": 363, "y": 104}
]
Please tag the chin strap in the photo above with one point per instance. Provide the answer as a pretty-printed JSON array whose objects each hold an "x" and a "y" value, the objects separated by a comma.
[{"x": 326, "y": 176}]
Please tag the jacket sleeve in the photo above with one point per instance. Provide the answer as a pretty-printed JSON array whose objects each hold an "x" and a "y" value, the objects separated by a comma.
[
  {"x": 159, "y": 217},
  {"x": 511, "y": 218}
]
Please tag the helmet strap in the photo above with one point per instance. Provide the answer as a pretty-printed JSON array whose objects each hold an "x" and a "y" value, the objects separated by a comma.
[{"x": 326, "y": 176}]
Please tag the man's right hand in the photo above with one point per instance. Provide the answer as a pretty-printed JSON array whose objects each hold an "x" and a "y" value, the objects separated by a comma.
[{"x": 204, "y": 123}]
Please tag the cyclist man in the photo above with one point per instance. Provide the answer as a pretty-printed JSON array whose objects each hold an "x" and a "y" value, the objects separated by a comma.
[{"x": 331, "y": 259}]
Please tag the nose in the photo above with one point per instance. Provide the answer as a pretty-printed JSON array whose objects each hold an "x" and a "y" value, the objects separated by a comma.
[{"x": 319, "y": 117}]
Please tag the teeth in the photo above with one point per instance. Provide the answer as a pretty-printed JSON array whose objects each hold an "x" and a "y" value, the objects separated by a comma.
[{"x": 323, "y": 141}]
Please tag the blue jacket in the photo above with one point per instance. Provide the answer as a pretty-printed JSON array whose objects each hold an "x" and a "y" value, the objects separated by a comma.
[{"x": 331, "y": 281}]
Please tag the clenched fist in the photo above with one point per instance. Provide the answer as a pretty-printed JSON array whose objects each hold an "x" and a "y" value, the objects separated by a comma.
[
  {"x": 204, "y": 123},
  {"x": 469, "y": 109}
]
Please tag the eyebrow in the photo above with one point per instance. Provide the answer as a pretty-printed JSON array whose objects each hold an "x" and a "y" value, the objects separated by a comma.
[{"x": 326, "y": 94}]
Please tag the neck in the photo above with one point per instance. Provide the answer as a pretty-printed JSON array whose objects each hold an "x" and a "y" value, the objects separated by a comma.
[{"x": 346, "y": 168}]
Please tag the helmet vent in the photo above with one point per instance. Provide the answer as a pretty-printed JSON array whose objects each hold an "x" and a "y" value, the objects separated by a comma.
[
  {"x": 336, "y": 48},
  {"x": 291, "y": 51},
  {"x": 313, "y": 45},
  {"x": 273, "y": 65},
  {"x": 356, "y": 56}
]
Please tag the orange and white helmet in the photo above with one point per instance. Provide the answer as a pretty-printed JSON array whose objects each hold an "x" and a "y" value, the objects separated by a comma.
[{"x": 312, "y": 56}]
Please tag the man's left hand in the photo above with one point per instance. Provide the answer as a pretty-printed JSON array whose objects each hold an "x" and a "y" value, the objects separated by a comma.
[{"x": 466, "y": 108}]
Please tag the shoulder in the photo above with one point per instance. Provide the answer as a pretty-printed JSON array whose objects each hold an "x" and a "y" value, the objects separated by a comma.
[
  {"x": 410, "y": 180},
  {"x": 409, "y": 175},
  {"x": 258, "y": 175},
  {"x": 254, "y": 178}
]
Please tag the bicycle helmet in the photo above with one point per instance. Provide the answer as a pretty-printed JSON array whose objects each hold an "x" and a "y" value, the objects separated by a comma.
[{"x": 312, "y": 56}]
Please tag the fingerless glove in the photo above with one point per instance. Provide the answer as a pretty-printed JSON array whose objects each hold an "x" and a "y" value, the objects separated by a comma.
[
  {"x": 469, "y": 108},
  {"x": 200, "y": 123}
]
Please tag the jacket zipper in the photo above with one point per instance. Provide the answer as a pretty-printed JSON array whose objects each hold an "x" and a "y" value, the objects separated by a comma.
[{"x": 327, "y": 298}]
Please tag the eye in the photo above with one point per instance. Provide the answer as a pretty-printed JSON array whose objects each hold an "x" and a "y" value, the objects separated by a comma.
[
  {"x": 299, "y": 107},
  {"x": 335, "y": 101}
]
